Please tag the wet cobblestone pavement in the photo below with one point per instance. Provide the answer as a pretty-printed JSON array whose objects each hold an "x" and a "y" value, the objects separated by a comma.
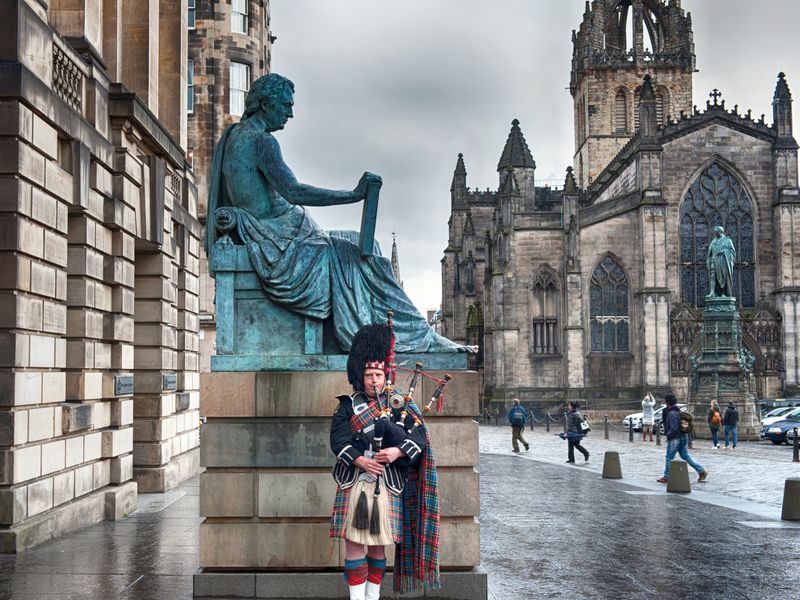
[{"x": 548, "y": 530}]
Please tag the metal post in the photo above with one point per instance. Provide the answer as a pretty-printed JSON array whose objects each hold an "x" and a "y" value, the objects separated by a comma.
[
  {"x": 630, "y": 430},
  {"x": 658, "y": 434},
  {"x": 605, "y": 427},
  {"x": 795, "y": 447},
  {"x": 690, "y": 436},
  {"x": 565, "y": 422},
  {"x": 547, "y": 420},
  {"x": 531, "y": 421},
  {"x": 496, "y": 416}
]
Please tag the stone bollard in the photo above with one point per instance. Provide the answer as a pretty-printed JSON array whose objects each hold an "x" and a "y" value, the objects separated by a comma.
[
  {"x": 791, "y": 500},
  {"x": 611, "y": 466},
  {"x": 679, "y": 477}
]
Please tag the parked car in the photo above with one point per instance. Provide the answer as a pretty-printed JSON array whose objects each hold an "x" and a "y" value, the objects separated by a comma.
[
  {"x": 637, "y": 421},
  {"x": 776, "y": 432},
  {"x": 785, "y": 413}
]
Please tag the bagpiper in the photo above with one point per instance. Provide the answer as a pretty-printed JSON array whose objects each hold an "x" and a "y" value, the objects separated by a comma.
[{"x": 385, "y": 474}]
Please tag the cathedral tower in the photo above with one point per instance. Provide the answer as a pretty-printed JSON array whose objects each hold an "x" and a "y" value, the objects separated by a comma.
[{"x": 618, "y": 42}]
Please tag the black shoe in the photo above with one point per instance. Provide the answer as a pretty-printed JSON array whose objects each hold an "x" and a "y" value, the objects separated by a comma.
[
  {"x": 527, "y": 447},
  {"x": 571, "y": 461},
  {"x": 586, "y": 458}
]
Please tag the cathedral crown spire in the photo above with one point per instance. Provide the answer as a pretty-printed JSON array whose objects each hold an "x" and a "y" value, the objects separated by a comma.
[
  {"x": 516, "y": 153},
  {"x": 396, "y": 261}
]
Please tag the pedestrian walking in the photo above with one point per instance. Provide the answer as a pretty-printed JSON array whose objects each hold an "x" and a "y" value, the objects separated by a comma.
[
  {"x": 714, "y": 423},
  {"x": 730, "y": 422},
  {"x": 575, "y": 433},
  {"x": 518, "y": 416},
  {"x": 676, "y": 428},
  {"x": 648, "y": 416},
  {"x": 487, "y": 416}
]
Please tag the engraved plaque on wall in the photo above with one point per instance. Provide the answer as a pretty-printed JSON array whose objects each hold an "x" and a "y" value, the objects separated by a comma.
[
  {"x": 170, "y": 381},
  {"x": 123, "y": 385}
]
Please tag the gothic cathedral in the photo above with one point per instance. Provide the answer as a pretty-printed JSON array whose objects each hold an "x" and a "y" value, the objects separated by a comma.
[{"x": 595, "y": 292}]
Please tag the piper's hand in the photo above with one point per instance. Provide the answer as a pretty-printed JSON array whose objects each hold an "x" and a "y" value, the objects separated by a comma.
[
  {"x": 370, "y": 465},
  {"x": 389, "y": 455},
  {"x": 366, "y": 179}
]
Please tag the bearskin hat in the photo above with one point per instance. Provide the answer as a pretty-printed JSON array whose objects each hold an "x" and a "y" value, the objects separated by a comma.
[{"x": 370, "y": 344}]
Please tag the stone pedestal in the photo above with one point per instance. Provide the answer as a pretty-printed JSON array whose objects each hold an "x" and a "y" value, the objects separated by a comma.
[
  {"x": 722, "y": 369},
  {"x": 267, "y": 491}
]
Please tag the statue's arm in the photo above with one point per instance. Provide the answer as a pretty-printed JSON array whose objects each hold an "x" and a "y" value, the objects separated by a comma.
[{"x": 286, "y": 184}]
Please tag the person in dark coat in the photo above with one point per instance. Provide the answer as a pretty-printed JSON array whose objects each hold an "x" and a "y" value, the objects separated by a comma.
[
  {"x": 575, "y": 433},
  {"x": 677, "y": 442},
  {"x": 730, "y": 423}
]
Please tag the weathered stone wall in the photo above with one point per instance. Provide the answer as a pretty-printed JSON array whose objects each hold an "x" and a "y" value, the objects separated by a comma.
[{"x": 90, "y": 181}]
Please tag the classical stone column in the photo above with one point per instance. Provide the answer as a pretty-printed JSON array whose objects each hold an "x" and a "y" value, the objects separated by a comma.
[
  {"x": 172, "y": 59},
  {"x": 139, "y": 64}
]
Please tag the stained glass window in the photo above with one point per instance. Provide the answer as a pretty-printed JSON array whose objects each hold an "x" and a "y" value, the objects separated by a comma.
[
  {"x": 716, "y": 198},
  {"x": 608, "y": 307}
]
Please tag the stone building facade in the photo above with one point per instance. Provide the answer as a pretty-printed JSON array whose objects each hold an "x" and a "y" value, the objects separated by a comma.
[
  {"x": 100, "y": 247},
  {"x": 595, "y": 292},
  {"x": 230, "y": 46}
]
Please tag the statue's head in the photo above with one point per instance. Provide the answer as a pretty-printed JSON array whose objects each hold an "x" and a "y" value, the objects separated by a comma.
[
  {"x": 719, "y": 231},
  {"x": 273, "y": 97}
]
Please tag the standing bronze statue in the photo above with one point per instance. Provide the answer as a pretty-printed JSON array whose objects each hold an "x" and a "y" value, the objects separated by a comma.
[{"x": 721, "y": 256}]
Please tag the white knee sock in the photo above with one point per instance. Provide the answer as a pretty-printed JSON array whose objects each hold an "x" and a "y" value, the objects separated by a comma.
[
  {"x": 357, "y": 591},
  {"x": 373, "y": 591}
]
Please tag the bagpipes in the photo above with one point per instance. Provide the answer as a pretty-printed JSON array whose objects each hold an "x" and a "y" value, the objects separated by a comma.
[{"x": 389, "y": 434}]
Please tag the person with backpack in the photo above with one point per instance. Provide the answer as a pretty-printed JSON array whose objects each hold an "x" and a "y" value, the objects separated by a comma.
[
  {"x": 714, "y": 423},
  {"x": 677, "y": 425},
  {"x": 731, "y": 423},
  {"x": 518, "y": 416},
  {"x": 577, "y": 427}
]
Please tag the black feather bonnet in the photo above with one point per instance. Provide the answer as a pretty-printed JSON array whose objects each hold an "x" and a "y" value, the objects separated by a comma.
[{"x": 370, "y": 344}]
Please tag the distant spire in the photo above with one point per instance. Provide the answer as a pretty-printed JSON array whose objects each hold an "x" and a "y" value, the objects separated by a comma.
[
  {"x": 782, "y": 89},
  {"x": 516, "y": 152},
  {"x": 570, "y": 187},
  {"x": 396, "y": 261},
  {"x": 460, "y": 168}
]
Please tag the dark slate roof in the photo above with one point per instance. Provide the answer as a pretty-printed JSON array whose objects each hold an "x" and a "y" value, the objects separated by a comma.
[{"x": 516, "y": 153}]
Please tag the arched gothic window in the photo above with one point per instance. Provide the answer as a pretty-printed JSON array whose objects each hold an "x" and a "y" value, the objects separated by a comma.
[
  {"x": 608, "y": 307},
  {"x": 544, "y": 310},
  {"x": 621, "y": 112},
  {"x": 716, "y": 198}
]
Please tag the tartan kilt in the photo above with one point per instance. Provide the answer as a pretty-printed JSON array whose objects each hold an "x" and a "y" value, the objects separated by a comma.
[{"x": 339, "y": 516}]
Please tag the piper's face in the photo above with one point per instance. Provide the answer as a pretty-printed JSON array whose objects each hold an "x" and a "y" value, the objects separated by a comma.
[{"x": 374, "y": 382}]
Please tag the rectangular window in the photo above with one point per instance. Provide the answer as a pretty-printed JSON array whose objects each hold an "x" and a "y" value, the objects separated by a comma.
[
  {"x": 239, "y": 16},
  {"x": 239, "y": 84},
  {"x": 190, "y": 87},
  {"x": 192, "y": 17}
]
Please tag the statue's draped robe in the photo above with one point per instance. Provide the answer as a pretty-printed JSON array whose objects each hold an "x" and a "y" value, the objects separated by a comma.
[
  {"x": 320, "y": 274},
  {"x": 721, "y": 256}
]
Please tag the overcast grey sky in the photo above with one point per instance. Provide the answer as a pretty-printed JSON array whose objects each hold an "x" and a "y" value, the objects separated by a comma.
[{"x": 400, "y": 88}]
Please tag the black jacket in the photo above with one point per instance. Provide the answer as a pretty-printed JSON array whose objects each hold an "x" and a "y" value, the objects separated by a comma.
[
  {"x": 348, "y": 446},
  {"x": 731, "y": 416}
]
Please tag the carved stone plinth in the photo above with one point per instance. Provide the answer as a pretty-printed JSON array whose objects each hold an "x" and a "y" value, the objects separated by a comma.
[
  {"x": 722, "y": 370},
  {"x": 267, "y": 491}
]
